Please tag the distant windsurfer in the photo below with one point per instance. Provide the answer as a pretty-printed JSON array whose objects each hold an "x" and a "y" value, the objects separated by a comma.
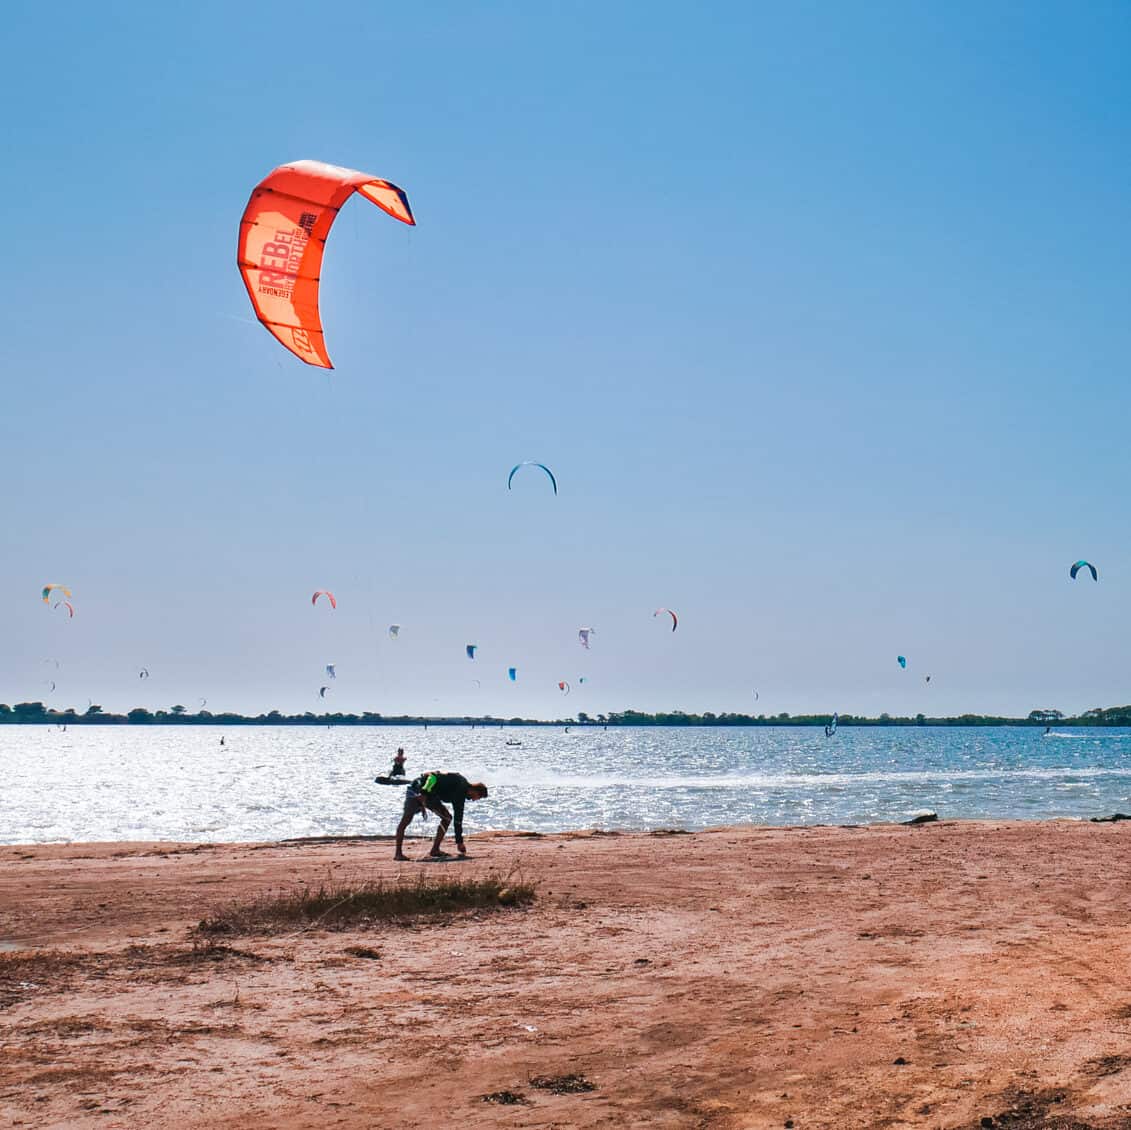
[{"x": 428, "y": 792}]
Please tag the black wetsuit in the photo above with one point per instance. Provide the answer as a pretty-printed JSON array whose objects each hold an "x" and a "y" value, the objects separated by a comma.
[{"x": 444, "y": 787}]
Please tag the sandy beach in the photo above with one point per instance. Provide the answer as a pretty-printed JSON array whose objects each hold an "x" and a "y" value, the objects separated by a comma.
[{"x": 940, "y": 976}]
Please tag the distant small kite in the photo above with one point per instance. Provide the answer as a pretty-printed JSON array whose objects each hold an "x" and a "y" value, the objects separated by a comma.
[
  {"x": 470, "y": 649},
  {"x": 563, "y": 686},
  {"x": 529, "y": 463},
  {"x": 143, "y": 673},
  {"x": 331, "y": 670},
  {"x": 322, "y": 692},
  {"x": 583, "y": 635},
  {"x": 512, "y": 673},
  {"x": 328, "y": 595},
  {"x": 675, "y": 618},
  {"x": 1071, "y": 572},
  {"x": 48, "y": 589},
  {"x": 394, "y": 631},
  {"x": 901, "y": 660}
]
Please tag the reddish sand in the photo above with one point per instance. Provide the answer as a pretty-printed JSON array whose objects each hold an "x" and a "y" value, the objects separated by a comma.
[{"x": 935, "y": 976}]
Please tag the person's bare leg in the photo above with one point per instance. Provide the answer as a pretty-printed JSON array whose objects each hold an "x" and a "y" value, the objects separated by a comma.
[
  {"x": 445, "y": 819},
  {"x": 406, "y": 820}
]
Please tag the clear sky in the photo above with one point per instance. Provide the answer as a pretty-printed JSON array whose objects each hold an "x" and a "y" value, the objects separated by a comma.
[{"x": 819, "y": 313}]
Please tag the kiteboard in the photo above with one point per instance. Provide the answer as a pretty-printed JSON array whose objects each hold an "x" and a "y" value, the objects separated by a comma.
[{"x": 392, "y": 780}]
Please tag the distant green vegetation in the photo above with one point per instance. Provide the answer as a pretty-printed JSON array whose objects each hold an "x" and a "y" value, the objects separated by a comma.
[{"x": 36, "y": 713}]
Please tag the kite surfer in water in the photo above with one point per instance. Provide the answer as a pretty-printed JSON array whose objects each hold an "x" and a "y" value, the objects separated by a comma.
[
  {"x": 428, "y": 792},
  {"x": 398, "y": 763}
]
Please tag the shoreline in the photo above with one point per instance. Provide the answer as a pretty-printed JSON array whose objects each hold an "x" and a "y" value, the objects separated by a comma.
[
  {"x": 734, "y": 978},
  {"x": 54, "y": 718},
  {"x": 928, "y": 816}
]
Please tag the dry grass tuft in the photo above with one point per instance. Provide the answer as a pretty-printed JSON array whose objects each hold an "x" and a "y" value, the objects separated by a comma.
[
  {"x": 27, "y": 973},
  {"x": 364, "y": 951},
  {"x": 563, "y": 1084},
  {"x": 505, "y": 1098},
  {"x": 341, "y": 905},
  {"x": 44, "y": 965},
  {"x": 209, "y": 950}
]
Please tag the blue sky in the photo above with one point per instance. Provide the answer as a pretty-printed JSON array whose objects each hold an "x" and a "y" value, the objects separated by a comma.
[{"x": 818, "y": 312}]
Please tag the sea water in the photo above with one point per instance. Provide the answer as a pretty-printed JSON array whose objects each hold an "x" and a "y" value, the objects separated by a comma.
[{"x": 269, "y": 783}]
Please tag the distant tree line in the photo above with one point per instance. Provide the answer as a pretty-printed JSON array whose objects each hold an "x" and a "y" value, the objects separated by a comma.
[{"x": 39, "y": 714}]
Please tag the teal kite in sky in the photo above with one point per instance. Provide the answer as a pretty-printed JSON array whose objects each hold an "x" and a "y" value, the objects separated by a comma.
[
  {"x": 530, "y": 463},
  {"x": 1083, "y": 565}
]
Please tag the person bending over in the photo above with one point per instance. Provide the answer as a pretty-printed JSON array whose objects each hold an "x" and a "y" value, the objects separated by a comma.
[
  {"x": 398, "y": 763},
  {"x": 429, "y": 791}
]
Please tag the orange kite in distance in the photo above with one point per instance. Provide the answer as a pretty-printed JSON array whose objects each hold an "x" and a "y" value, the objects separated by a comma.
[{"x": 282, "y": 235}]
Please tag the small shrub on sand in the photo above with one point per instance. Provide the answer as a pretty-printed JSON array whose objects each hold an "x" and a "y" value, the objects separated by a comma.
[
  {"x": 563, "y": 1084},
  {"x": 506, "y": 1098},
  {"x": 340, "y": 905}
]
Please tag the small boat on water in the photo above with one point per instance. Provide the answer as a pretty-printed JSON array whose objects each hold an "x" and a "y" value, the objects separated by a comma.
[{"x": 511, "y": 741}]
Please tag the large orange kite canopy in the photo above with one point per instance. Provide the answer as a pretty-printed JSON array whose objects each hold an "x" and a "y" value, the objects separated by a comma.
[{"x": 282, "y": 235}]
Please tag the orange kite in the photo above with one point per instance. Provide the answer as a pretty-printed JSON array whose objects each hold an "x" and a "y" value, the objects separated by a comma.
[{"x": 282, "y": 235}]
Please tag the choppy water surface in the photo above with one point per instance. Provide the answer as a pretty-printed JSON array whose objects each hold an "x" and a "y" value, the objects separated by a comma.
[{"x": 264, "y": 783}]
